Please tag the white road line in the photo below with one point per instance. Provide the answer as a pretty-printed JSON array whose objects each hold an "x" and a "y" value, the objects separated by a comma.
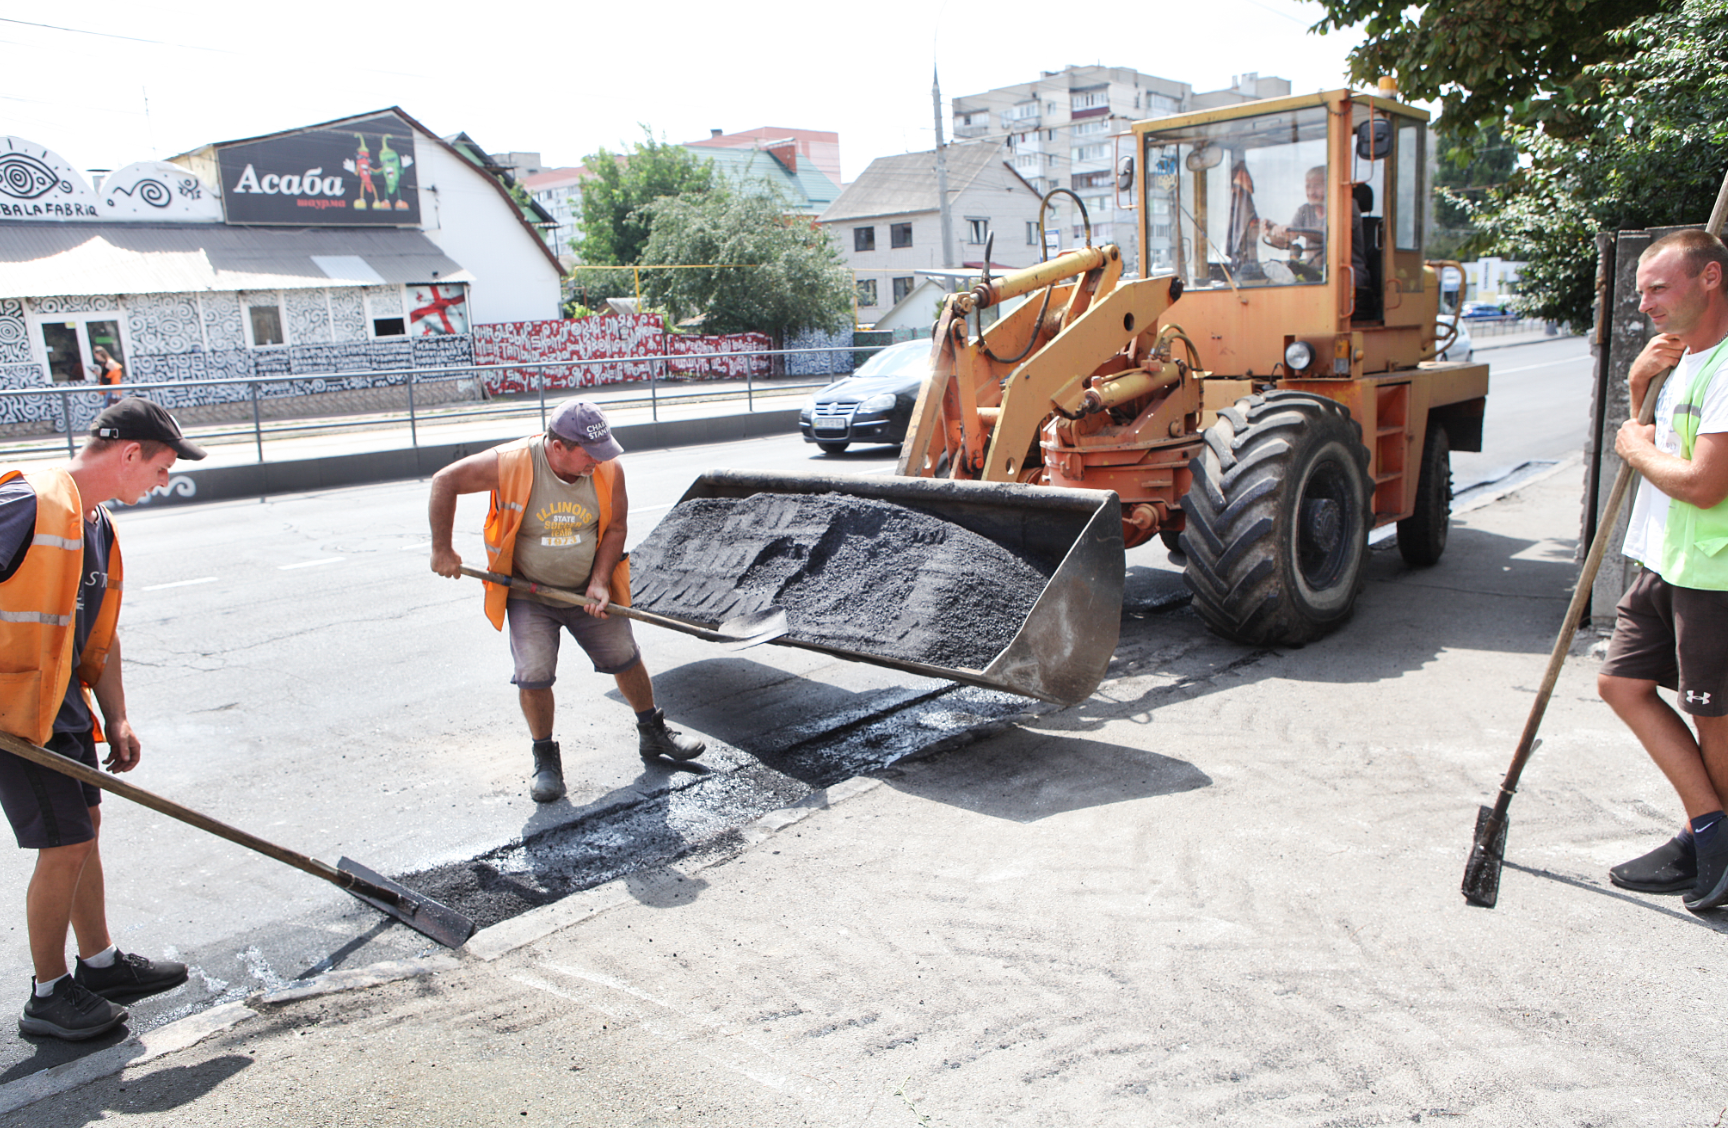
[
  {"x": 650, "y": 508},
  {"x": 421, "y": 547},
  {"x": 179, "y": 583},
  {"x": 310, "y": 563},
  {"x": 1550, "y": 364}
]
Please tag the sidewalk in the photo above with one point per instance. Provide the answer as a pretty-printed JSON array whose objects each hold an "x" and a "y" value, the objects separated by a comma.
[{"x": 1223, "y": 890}]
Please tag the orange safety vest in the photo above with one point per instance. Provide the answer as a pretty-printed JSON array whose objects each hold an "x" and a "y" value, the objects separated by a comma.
[
  {"x": 38, "y": 606},
  {"x": 504, "y": 518}
]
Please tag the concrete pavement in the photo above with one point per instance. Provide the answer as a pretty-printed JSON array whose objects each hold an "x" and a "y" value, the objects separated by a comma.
[{"x": 1223, "y": 890}]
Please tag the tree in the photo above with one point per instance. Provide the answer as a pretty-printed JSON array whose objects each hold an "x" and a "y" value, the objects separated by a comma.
[
  {"x": 614, "y": 225},
  {"x": 1651, "y": 154},
  {"x": 1470, "y": 163},
  {"x": 750, "y": 265},
  {"x": 1492, "y": 60}
]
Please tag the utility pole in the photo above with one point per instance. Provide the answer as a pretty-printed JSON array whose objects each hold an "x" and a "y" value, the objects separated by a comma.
[{"x": 942, "y": 175}]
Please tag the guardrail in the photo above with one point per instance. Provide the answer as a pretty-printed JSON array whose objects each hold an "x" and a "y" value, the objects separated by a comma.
[
  {"x": 1508, "y": 324},
  {"x": 516, "y": 407}
]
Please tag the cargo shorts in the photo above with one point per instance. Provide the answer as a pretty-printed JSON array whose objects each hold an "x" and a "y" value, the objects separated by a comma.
[
  {"x": 536, "y": 629},
  {"x": 1676, "y": 637},
  {"x": 45, "y": 808}
]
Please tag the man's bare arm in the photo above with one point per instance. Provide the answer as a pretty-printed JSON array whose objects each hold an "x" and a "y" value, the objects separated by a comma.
[
  {"x": 474, "y": 474},
  {"x": 610, "y": 550},
  {"x": 110, "y": 694}
]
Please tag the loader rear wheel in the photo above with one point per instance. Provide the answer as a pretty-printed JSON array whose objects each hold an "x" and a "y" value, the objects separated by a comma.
[
  {"x": 1422, "y": 535},
  {"x": 1277, "y": 519}
]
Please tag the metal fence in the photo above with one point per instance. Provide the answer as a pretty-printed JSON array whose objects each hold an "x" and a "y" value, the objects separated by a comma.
[
  {"x": 83, "y": 401},
  {"x": 1508, "y": 324}
]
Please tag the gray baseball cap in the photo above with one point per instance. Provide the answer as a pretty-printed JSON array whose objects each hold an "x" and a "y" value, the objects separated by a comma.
[{"x": 580, "y": 422}]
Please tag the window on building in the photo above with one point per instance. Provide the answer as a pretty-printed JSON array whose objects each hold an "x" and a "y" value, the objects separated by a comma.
[
  {"x": 1088, "y": 99},
  {"x": 1031, "y": 233},
  {"x": 1085, "y": 153},
  {"x": 264, "y": 317},
  {"x": 866, "y": 291},
  {"x": 389, "y": 327},
  {"x": 977, "y": 230},
  {"x": 902, "y": 287},
  {"x": 863, "y": 238},
  {"x": 1092, "y": 128},
  {"x": 900, "y": 235}
]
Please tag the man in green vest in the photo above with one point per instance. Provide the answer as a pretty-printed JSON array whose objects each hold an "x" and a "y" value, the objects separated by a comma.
[
  {"x": 1672, "y": 624},
  {"x": 558, "y": 518}
]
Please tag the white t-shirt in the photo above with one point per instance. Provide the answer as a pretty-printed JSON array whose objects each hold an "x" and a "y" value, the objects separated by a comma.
[{"x": 1649, "y": 520}]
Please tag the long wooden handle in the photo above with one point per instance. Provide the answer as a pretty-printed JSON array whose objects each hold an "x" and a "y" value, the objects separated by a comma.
[
  {"x": 576, "y": 599},
  {"x": 86, "y": 774}
]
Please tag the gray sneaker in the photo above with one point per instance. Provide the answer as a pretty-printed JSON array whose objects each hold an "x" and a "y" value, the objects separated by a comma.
[
  {"x": 71, "y": 1012},
  {"x": 657, "y": 740},
  {"x": 130, "y": 976},
  {"x": 548, "y": 783}
]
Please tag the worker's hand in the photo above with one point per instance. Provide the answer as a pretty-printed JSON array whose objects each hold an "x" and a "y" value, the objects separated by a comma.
[
  {"x": 446, "y": 562},
  {"x": 123, "y": 747},
  {"x": 599, "y": 595},
  {"x": 1634, "y": 437},
  {"x": 1661, "y": 353}
]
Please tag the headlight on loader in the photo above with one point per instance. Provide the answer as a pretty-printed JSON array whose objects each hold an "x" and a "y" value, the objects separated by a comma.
[{"x": 1298, "y": 355}]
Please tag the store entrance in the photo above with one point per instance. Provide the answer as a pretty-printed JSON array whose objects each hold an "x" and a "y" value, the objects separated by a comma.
[{"x": 69, "y": 347}]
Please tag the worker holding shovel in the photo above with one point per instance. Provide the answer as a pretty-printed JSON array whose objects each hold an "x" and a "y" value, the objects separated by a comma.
[
  {"x": 60, "y": 582},
  {"x": 1671, "y": 627},
  {"x": 557, "y": 518}
]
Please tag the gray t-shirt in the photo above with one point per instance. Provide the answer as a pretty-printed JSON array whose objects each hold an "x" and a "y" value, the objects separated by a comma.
[{"x": 17, "y": 531}]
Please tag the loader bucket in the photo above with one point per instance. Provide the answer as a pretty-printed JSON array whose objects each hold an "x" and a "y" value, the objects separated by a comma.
[{"x": 1059, "y": 651}]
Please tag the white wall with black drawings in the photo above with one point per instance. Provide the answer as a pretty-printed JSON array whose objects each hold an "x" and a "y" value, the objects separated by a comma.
[{"x": 202, "y": 338}]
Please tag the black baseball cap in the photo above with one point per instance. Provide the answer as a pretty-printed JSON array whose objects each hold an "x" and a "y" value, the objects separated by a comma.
[{"x": 142, "y": 420}]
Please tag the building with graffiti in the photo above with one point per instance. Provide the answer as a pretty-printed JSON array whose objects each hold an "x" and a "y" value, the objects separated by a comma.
[{"x": 318, "y": 259}]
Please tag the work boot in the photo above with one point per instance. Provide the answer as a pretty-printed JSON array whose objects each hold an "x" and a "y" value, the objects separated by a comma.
[
  {"x": 657, "y": 740},
  {"x": 1670, "y": 868},
  {"x": 129, "y": 977},
  {"x": 548, "y": 782},
  {"x": 71, "y": 1012}
]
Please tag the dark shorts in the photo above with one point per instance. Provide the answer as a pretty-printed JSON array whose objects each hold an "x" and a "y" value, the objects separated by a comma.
[
  {"x": 44, "y": 807},
  {"x": 1676, "y": 637},
  {"x": 535, "y": 630}
]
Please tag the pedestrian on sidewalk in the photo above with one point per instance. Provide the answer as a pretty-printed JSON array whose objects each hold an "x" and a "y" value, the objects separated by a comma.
[
  {"x": 60, "y": 582},
  {"x": 558, "y": 517},
  {"x": 1671, "y": 629},
  {"x": 108, "y": 372}
]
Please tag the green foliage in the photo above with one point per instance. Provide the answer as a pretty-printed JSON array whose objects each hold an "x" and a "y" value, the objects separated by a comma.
[
  {"x": 589, "y": 289},
  {"x": 1470, "y": 163},
  {"x": 1526, "y": 61},
  {"x": 750, "y": 266},
  {"x": 615, "y": 199},
  {"x": 1651, "y": 154}
]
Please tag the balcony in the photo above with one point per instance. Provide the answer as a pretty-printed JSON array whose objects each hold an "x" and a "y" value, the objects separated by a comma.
[{"x": 967, "y": 132}]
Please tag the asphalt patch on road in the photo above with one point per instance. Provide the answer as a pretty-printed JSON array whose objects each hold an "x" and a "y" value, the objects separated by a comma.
[{"x": 855, "y": 574}]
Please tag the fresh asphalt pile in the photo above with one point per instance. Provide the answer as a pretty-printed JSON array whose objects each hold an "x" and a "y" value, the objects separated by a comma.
[{"x": 851, "y": 573}]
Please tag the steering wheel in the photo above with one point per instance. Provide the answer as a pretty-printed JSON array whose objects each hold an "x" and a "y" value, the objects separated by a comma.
[{"x": 1300, "y": 269}]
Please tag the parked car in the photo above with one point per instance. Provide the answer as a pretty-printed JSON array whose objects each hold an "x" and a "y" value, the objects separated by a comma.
[
  {"x": 1462, "y": 347},
  {"x": 873, "y": 405},
  {"x": 1477, "y": 310}
]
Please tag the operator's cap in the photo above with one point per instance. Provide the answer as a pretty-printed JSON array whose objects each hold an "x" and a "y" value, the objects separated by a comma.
[
  {"x": 142, "y": 420},
  {"x": 580, "y": 422}
]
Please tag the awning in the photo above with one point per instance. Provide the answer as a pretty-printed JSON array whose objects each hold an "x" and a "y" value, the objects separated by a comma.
[{"x": 48, "y": 259}]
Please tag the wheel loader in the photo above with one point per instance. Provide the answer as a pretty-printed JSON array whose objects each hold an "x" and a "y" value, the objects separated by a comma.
[{"x": 1260, "y": 399}]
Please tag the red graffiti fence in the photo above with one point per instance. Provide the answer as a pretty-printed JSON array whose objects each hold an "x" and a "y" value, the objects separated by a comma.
[{"x": 614, "y": 338}]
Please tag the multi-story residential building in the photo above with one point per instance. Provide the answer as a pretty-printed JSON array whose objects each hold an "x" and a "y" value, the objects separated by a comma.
[{"x": 1068, "y": 129}]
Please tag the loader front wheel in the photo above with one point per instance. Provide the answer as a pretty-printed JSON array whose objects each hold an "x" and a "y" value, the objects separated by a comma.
[
  {"x": 1277, "y": 519},
  {"x": 1422, "y": 535}
]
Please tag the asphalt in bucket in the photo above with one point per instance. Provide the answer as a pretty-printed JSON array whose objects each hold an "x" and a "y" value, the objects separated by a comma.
[{"x": 855, "y": 574}]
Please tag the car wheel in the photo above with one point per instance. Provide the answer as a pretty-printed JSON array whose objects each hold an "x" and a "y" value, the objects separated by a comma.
[{"x": 833, "y": 448}]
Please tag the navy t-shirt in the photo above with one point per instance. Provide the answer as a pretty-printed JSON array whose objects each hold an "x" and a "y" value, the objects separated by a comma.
[{"x": 17, "y": 531}]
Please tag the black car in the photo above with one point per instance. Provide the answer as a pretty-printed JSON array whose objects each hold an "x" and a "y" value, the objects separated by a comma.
[{"x": 873, "y": 405}]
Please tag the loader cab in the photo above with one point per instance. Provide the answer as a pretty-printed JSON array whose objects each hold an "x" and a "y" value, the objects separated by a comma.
[{"x": 1293, "y": 219}]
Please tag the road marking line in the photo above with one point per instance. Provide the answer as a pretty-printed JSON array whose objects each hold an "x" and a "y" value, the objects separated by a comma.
[
  {"x": 421, "y": 547},
  {"x": 1533, "y": 367},
  {"x": 179, "y": 583},
  {"x": 310, "y": 563}
]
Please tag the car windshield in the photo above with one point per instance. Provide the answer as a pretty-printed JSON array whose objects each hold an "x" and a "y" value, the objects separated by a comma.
[{"x": 909, "y": 358}]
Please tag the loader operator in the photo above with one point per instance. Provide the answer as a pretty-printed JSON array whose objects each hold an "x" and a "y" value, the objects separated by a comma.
[
  {"x": 558, "y": 517},
  {"x": 1671, "y": 628},
  {"x": 59, "y": 600},
  {"x": 1310, "y": 216}
]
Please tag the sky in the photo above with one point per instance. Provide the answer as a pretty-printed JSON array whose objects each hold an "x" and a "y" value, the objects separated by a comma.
[{"x": 105, "y": 83}]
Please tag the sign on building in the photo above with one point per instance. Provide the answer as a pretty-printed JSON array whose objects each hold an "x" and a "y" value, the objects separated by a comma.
[{"x": 358, "y": 174}]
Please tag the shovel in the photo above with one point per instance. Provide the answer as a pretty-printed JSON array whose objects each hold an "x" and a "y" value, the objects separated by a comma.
[
  {"x": 736, "y": 633},
  {"x": 1488, "y": 850},
  {"x": 424, "y": 915}
]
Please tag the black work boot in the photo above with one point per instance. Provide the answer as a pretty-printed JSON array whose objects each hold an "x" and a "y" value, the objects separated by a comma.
[
  {"x": 657, "y": 740},
  {"x": 548, "y": 782}
]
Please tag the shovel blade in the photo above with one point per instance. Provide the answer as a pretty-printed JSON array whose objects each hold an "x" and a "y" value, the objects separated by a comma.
[
  {"x": 1487, "y": 855},
  {"x": 754, "y": 629},
  {"x": 424, "y": 915}
]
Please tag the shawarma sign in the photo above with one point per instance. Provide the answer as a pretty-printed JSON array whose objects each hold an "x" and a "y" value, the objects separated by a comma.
[{"x": 359, "y": 173}]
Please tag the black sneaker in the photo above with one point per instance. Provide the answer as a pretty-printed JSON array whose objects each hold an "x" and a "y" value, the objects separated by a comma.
[
  {"x": 130, "y": 977},
  {"x": 1670, "y": 868},
  {"x": 1712, "y": 885},
  {"x": 71, "y": 1012},
  {"x": 656, "y": 740}
]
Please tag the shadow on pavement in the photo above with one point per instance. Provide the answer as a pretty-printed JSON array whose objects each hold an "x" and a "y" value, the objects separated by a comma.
[{"x": 163, "y": 1090}]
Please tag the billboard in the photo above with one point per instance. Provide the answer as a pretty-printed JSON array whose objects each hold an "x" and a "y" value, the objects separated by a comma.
[{"x": 360, "y": 173}]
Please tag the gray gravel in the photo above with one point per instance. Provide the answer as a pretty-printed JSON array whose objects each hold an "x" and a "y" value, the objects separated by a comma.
[{"x": 853, "y": 573}]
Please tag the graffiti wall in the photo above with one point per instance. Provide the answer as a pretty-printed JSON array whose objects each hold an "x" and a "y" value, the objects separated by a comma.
[{"x": 615, "y": 340}]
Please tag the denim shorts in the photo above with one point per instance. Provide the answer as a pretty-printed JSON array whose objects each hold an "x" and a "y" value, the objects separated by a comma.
[
  {"x": 46, "y": 808},
  {"x": 535, "y": 630}
]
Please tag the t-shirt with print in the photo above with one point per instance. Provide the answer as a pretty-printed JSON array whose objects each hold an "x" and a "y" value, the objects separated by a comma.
[{"x": 559, "y": 532}]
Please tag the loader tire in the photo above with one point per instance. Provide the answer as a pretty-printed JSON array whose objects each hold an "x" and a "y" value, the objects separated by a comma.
[
  {"x": 1277, "y": 519},
  {"x": 1422, "y": 535}
]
